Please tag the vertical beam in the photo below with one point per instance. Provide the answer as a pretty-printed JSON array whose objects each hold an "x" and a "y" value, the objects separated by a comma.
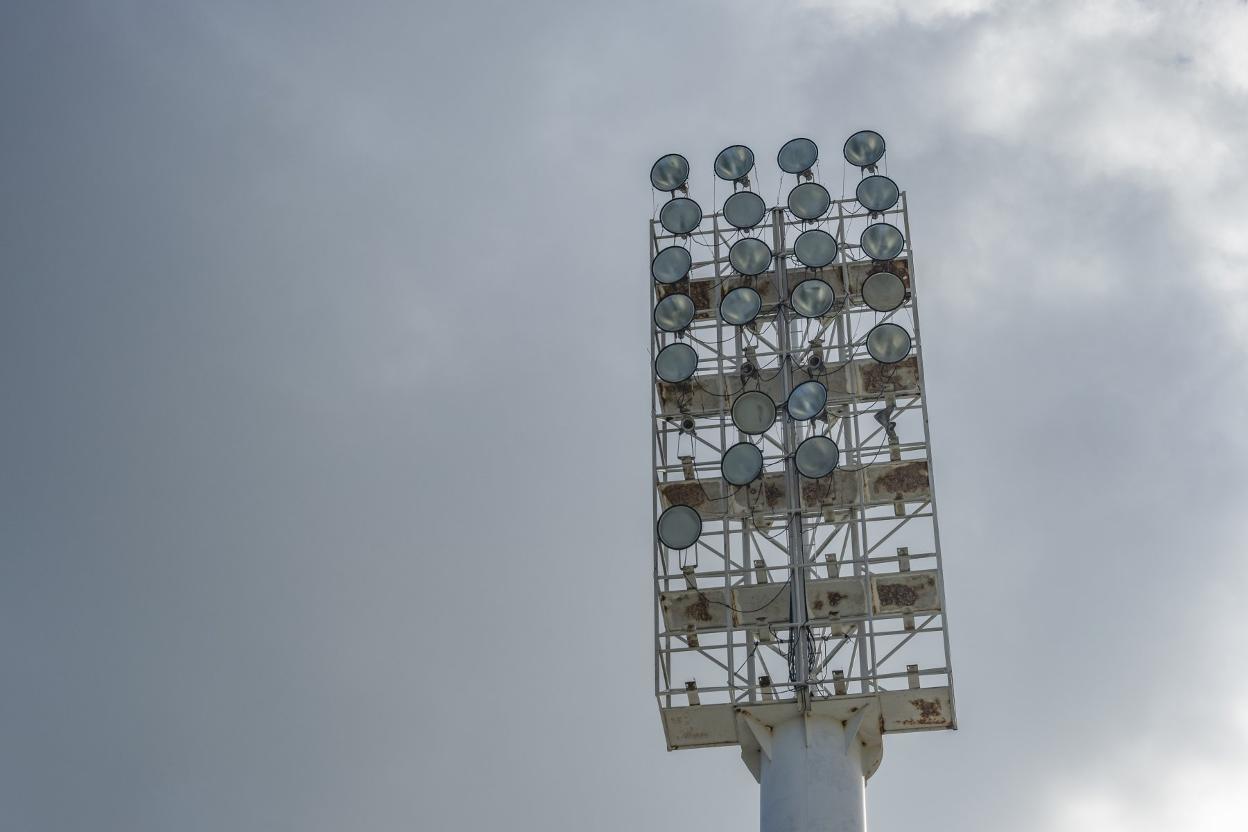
[{"x": 799, "y": 655}]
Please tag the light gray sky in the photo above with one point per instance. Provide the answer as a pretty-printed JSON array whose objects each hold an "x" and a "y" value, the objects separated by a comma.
[{"x": 324, "y": 450}]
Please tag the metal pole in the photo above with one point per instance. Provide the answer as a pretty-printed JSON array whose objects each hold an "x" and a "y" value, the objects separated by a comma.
[
  {"x": 799, "y": 650},
  {"x": 812, "y": 781}
]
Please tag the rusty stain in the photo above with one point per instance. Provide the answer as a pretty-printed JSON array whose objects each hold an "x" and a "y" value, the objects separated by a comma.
[
  {"x": 929, "y": 709},
  {"x": 897, "y": 595},
  {"x": 699, "y": 610},
  {"x": 700, "y": 293},
  {"x": 684, "y": 493},
  {"x": 835, "y": 598},
  {"x": 903, "y": 479},
  {"x": 818, "y": 605}
]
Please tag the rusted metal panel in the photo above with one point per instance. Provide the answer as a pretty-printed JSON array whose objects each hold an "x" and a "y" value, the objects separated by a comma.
[
  {"x": 694, "y": 609},
  {"x": 700, "y": 726},
  {"x": 761, "y": 604},
  {"x": 905, "y": 592},
  {"x": 898, "y": 481},
  {"x": 836, "y": 598},
  {"x": 873, "y": 379},
  {"x": 915, "y": 710},
  {"x": 886, "y": 482}
]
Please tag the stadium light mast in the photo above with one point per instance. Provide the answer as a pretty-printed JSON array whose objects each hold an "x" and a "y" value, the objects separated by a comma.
[{"x": 799, "y": 599}]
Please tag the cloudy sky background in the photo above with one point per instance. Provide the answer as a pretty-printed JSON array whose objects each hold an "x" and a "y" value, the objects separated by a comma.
[{"x": 324, "y": 451}]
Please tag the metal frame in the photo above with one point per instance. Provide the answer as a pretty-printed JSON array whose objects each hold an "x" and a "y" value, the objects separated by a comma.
[{"x": 802, "y": 534}]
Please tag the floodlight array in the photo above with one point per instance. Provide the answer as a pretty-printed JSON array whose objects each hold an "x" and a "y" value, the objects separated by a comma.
[{"x": 775, "y": 331}]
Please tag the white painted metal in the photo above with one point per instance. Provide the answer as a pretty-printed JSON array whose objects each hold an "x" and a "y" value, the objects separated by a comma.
[{"x": 812, "y": 781}]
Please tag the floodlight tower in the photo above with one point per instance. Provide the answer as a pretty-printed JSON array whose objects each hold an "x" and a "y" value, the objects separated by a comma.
[{"x": 799, "y": 600}]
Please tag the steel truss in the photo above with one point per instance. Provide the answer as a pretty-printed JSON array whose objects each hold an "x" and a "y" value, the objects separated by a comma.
[{"x": 862, "y": 547}]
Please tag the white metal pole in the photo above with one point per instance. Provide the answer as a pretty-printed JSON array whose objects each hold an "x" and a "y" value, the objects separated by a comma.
[{"x": 812, "y": 780}]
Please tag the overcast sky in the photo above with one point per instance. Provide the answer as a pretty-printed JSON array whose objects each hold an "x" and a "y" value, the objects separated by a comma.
[{"x": 324, "y": 452}]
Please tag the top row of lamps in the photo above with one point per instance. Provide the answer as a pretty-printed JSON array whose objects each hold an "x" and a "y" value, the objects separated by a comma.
[{"x": 864, "y": 149}]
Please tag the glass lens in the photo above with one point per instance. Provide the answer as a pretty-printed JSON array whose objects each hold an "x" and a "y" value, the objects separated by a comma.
[
  {"x": 817, "y": 457},
  {"x": 749, "y": 256},
  {"x": 740, "y": 306},
  {"x": 671, "y": 264},
  {"x": 680, "y": 215},
  {"x": 680, "y": 527},
  {"x": 753, "y": 412},
  {"x": 883, "y": 291},
  {"x": 797, "y": 156},
  {"x": 674, "y": 312},
  {"x": 676, "y": 363},
  {"x": 809, "y": 201},
  {"x": 888, "y": 343},
  {"x": 670, "y": 172},
  {"x": 881, "y": 241},
  {"x": 864, "y": 148},
  {"x": 815, "y": 248},
  {"x": 877, "y": 193},
  {"x": 812, "y": 298},
  {"x": 742, "y": 464},
  {"x": 807, "y": 400},
  {"x": 744, "y": 209},
  {"x": 734, "y": 162}
]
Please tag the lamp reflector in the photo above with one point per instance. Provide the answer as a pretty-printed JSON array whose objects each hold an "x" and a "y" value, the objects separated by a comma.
[
  {"x": 809, "y": 201},
  {"x": 812, "y": 298},
  {"x": 680, "y": 215},
  {"x": 888, "y": 343},
  {"x": 744, "y": 209},
  {"x": 753, "y": 412},
  {"x": 680, "y": 527},
  {"x": 882, "y": 241},
  {"x": 817, "y": 457},
  {"x": 864, "y": 148},
  {"x": 740, "y": 306},
  {"x": 807, "y": 400},
  {"x": 815, "y": 248},
  {"x": 877, "y": 193},
  {"x": 734, "y": 162},
  {"x": 749, "y": 256},
  {"x": 669, "y": 172},
  {"x": 742, "y": 463},
  {"x": 674, "y": 312},
  {"x": 671, "y": 264},
  {"x": 883, "y": 291},
  {"x": 797, "y": 156},
  {"x": 676, "y": 363}
]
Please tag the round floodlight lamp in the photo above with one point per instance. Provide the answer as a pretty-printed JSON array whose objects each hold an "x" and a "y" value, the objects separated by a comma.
[
  {"x": 809, "y": 201},
  {"x": 877, "y": 193},
  {"x": 815, "y": 248},
  {"x": 817, "y": 457},
  {"x": 680, "y": 527},
  {"x": 882, "y": 241},
  {"x": 676, "y": 363},
  {"x": 680, "y": 215},
  {"x": 744, "y": 209},
  {"x": 883, "y": 291},
  {"x": 669, "y": 172},
  {"x": 734, "y": 162},
  {"x": 888, "y": 343},
  {"x": 671, "y": 264},
  {"x": 807, "y": 400},
  {"x": 749, "y": 256},
  {"x": 740, "y": 306},
  {"x": 753, "y": 412},
  {"x": 812, "y": 298},
  {"x": 797, "y": 156},
  {"x": 674, "y": 312},
  {"x": 742, "y": 464},
  {"x": 864, "y": 148}
]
